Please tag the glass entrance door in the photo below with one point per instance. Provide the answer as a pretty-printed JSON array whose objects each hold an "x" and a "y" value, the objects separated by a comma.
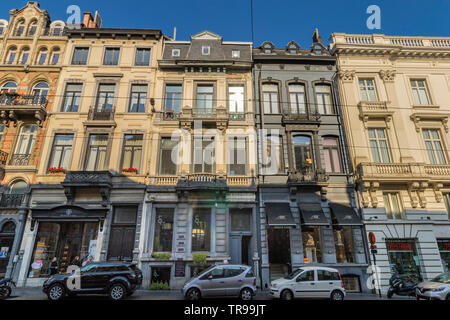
[{"x": 403, "y": 259}]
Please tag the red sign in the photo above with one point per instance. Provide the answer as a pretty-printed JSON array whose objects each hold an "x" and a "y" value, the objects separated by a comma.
[
  {"x": 444, "y": 246},
  {"x": 372, "y": 238},
  {"x": 399, "y": 246}
]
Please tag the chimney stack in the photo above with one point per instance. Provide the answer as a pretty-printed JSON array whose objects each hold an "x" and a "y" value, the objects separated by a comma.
[{"x": 92, "y": 22}]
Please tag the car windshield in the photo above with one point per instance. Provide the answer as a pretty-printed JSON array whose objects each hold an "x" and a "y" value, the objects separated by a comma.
[
  {"x": 88, "y": 268},
  {"x": 203, "y": 272},
  {"x": 442, "y": 278},
  {"x": 294, "y": 274}
]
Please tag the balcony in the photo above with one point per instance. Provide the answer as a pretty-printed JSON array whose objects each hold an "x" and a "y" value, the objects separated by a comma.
[
  {"x": 99, "y": 118},
  {"x": 308, "y": 176},
  {"x": 374, "y": 109},
  {"x": 13, "y": 108},
  {"x": 20, "y": 160},
  {"x": 403, "y": 172},
  {"x": 88, "y": 179},
  {"x": 11, "y": 200},
  {"x": 208, "y": 181},
  {"x": 300, "y": 121},
  {"x": 210, "y": 118}
]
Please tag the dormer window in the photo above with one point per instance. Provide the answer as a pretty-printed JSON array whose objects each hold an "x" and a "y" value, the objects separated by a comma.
[
  {"x": 32, "y": 29},
  {"x": 206, "y": 50},
  {"x": 235, "y": 54},
  {"x": 175, "y": 52},
  {"x": 292, "y": 47},
  {"x": 267, "y": 47},
  {"x": 317, "y": 49}
]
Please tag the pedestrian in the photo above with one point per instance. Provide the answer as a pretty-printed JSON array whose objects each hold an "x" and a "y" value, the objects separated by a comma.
[
  {"x": 76, "y": 262},
  {"x": 88, "y": 260},
  {"x": 53, "y": 267}
]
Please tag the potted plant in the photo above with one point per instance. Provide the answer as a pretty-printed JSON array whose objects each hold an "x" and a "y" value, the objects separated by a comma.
[
  {"x": 55, "y": 170},
  {"x": 130, "y": 171},
  {"x": 199, "y": 258},
  {"x": 162, "y": 256},
  {"x": 158, "y": 286}
]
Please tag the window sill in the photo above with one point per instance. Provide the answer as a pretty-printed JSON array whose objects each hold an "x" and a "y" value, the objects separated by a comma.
[{"x": 425, "y": 106}]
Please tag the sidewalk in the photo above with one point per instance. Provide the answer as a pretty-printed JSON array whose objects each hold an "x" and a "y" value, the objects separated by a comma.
[{"x": 37, "y": 294}]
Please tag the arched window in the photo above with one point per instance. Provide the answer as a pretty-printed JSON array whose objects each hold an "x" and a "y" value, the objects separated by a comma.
[
  {"x": 42, "y": 56},
  {"x": 267, "y": 47},
  {"x": 270, "y": 98},
  {"x": 331, "y": 154},
  {"x": 32, "y": 28},
  {"x": 40, "y": 92},
  {"x": 24, "y": 55},
  {"x": 19, "y": 187},
  {"x": 20, "y": 28},
  {"x": 55, "y": 56},
  {"x": 57, "y": 30},
  {"x": 274, "y": 152},
  {"x": 8, "y": 227},
  {"x": 292, "y": 47},
  {"x": 303, "y": 155},
  {"x": 9, "y": 86},
  {"x": 26, "y": 140},
  {"x": 11, "y": 56}
]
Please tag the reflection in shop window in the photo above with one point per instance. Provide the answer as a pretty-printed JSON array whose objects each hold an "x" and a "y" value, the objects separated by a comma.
[
  {"x": 403, "y": 259},
  {"x": 343, "y": 241},
  {"x": 65, "y": 241},
  {"x": 163, "y": 230},
  {"x": 351, "y": 283},
  {"x": 312, "y": 244},
  {"x": 201, "y": 230}
]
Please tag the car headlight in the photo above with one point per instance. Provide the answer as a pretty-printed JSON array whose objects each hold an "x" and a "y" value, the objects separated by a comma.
[
  {"x": 273, "y": 285},
  {"x": 438, "y": 289}
]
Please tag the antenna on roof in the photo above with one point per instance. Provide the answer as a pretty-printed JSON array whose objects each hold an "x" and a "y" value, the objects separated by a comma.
[{"x": 174, "y": 33}]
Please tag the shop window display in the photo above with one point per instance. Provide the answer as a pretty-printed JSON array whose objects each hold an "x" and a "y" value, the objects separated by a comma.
[
  {"x": 161, "y": 275},
  {"x": 343, "y": 241},
  {"x": 65, "y": 241},
  {"x": 312, "y": 244},
  {"x": 444, "y": 250},
  {"x": 404, "y": 259}
]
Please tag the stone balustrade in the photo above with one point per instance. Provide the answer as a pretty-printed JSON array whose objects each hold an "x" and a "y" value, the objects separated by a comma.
[{"x": 403, "y": 172}]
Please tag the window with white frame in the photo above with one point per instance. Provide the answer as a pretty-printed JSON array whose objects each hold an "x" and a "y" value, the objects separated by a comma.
[
  {"x": 206, "y": 50},
  {"x": 143, "y": 57},
  {"x": 96, "y": 152},
  {"x": 175, "y": 52},
  {"x": 379, "y": 145},
  {"x": 331, "y": 154},
  {"x": 393, "y": 206},
  {"x": 270, "y": 98},
  {"x": 72, "y": 97},
  {"x": 236, "y": 98},
  {"x": 111, "y": 57},
  {"x": 204, "y": 154},
  {"x": 32, "y": 29},
  {"x": 11, "y": 57},
  {"x": 61, "y": 151},
  {"x": 236, "y": 54},
  {"x": 132, "y": 151},
  {"x": 26, "y": 139},
  {"x": 433, "y": 144},
  {"x": 367, "y": 89},
  {"x": 237, "y": 156},
  {"x": 324, "y": 100},
  {"x": 42, "y": 56},
  {"x": 420, "y": 92},
  {"x": 297, "y": 99},
  {"x": 24, "y": 56}
]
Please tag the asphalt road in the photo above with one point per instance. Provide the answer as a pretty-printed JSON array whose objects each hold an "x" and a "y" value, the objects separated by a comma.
[{"x": 37, "y": 294}]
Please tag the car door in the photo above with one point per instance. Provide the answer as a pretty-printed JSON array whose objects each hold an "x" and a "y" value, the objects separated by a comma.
[
  {"x": 213, "y": 283},
  {"x": 234, "y": 280},
  {"x": 88, "y": 277},
  {"x": 325, "y": 283},
  {"x": 305, "y": 284}
]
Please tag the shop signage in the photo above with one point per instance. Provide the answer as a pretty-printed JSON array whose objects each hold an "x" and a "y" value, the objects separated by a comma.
[
  {"x": 4, "y": 252},
  {"x": 307, "y": 261},
  {"x": 180, "y": 269},
  {"x": 399, "y": 246},
  {"x": 444, "y": 245}
]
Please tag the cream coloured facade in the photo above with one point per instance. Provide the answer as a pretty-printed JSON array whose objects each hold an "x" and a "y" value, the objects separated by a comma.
[
  {"x": 395, "y": 95},
  {"x": 83, "y": 203}
]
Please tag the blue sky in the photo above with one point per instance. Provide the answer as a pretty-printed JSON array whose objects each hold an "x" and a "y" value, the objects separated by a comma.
[{"x": 280, "y": 23}]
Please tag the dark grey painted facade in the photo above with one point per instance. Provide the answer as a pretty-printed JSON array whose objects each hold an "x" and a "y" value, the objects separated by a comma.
[{"x": 304, "y": 180}]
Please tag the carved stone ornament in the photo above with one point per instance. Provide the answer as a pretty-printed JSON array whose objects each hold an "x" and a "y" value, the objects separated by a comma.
[
  {"x": 387, "y": 75},
  {"x": 347, "y": 75}
]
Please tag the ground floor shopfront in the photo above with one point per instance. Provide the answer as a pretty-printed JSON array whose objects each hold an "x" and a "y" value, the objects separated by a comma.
[
  {"x": 416, "y": 251},
  {"x": 184, "y": 233},
  {"x": 10, "y": 226},
  {"x": 305, "y": 229}
]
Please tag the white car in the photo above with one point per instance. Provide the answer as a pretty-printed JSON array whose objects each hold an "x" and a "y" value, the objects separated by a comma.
[
  {"x": 309, "y": 282},
  {"x": 436, "y": 289}
]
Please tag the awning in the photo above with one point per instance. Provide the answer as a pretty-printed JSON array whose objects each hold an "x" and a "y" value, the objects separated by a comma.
[
  {"x": 69, "y": 213},
  {"x": 312, "y": 214},
  {"x": 344, "y": 215},
  {"x": 279, "y": 214}
]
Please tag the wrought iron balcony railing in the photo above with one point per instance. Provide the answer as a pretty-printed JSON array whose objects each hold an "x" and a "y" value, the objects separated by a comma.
[
  {"x": 11, "y": 200},
  {"x": 101, "y": 115},
  {"x": 20, "y": 160},
  {"x": 10, "y": 100}
]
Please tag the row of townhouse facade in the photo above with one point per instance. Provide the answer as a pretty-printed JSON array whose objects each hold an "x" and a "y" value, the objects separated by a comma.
[{"x": 127, "y": 145}]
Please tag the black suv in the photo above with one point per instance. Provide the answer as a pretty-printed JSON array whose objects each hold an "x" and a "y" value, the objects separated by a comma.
[{"x": 115, "y": 279}]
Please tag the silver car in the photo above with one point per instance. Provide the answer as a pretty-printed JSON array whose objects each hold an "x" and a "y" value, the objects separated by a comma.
[
  {"x": 436, "y": 289},
  {"x": 222, "y": 281}
]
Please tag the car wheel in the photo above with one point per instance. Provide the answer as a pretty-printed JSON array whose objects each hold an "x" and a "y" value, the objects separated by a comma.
[
  {"x": 193, "y": 294},
  {"x": 246, "y": 294},
  {"x": 337, "y": 295},
  {"x": 389, "y": 294},
  {"x": 286, "y": 295},
  {"x": 117, "y": 292},
  {"x": 56, "y": 292}
]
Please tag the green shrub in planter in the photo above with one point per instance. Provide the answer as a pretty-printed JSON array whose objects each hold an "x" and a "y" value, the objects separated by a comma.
[
  {"x": 160, "y": 286},
  {"x": 162, "y": 256},
  {"x": 199, "y": 258}
]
